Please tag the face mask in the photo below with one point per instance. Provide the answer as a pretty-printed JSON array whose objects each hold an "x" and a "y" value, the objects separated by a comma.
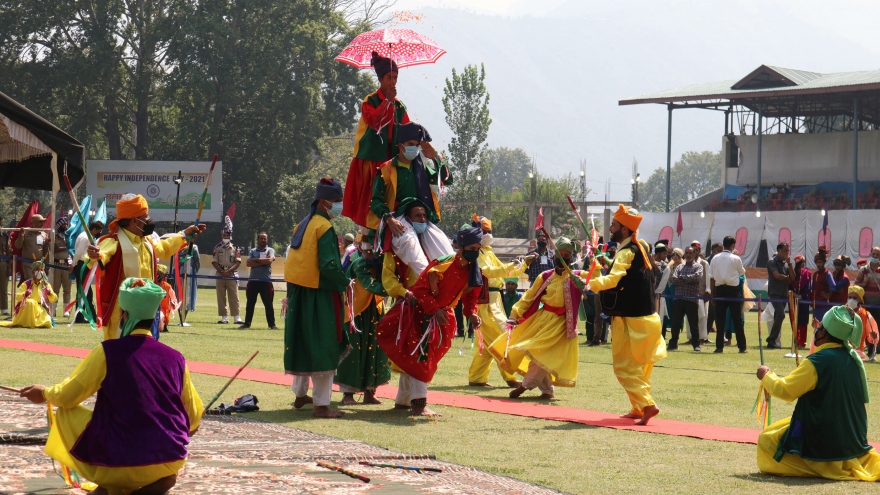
[
  {"x": 148, "y": 227},
  {"x": 853, "y": 303},
  {"x": 486, "y": 240},
  {"x": 874, "y": 260},
  {"x": 38, "y": 276},
  {"x": 470, "y": 256},
  {"x": 410, "y": 152},
  {"x": 335, "y": 210},
  {"x": 542, "y": 245},
  {"x": 420, "y": 227},
  {"x": 559, "y": 261},
  {"x": 226, "y": 241}
]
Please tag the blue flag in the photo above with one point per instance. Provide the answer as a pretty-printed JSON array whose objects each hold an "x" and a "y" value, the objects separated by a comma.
[{"x": 76, "y": 227}]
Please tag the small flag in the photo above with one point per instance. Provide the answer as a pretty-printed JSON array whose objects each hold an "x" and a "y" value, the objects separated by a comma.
[
  {"x": 539, "y": 222},
  {"x": 594, "y": 235},
  {"x": 825, "y": 224},
  {"x": 679, "y": 227},
  {"x": 231, "y": 212}
]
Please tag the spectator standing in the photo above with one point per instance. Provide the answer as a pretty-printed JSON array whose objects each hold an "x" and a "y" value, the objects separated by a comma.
[
  {"x": 660, "y": 254},
  {"x": 802, "y": 279},
  {"x": 726, "y": 269},
  {"x": 838, "y": 296},
  {"x": 544, "y": 259},
  {"x": 60, "y": 277},
  {"x": 33, "y": 244},
  {"x": 666, "y": 288},
  {"x": 822, "y": 284},
  {"x": 5, "y": 250},
  {"x": 226, "y": 261},
  {"x": 710, "y": 308},
  {"x": 702, "y": 304},
  {"x": 260, "y": 263},
  {"x": 780, "y": 275},
  {"x": 687, "y": 278}
]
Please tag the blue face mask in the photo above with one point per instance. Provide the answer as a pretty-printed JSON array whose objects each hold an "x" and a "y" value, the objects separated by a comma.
[
  {"x": 874, "y": 260},
  {"x": 420, "y": 227},
  {"x": 335, "y": 210},
  {"x": 410, "y": 152}
]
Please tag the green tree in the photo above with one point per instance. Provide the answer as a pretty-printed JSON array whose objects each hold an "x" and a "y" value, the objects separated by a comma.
[
  {"x": 466, "y": 103},
  {"x": 509, "y": 168},
  {"x": 695, "y": 174}
]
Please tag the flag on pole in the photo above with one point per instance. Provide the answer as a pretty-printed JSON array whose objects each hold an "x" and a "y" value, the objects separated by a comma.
[
  {"x": 539, "y": 222},
  {"x": 76, "y": 228},
  {"x": 231, "y": 212},
  {"x": 101, "y": 213},
  {"x": 594, "y": 235},
  {"x": 679, "y": 226}
]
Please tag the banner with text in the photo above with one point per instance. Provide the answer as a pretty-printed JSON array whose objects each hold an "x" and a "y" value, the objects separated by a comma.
[{"x": 154, "y": 180}]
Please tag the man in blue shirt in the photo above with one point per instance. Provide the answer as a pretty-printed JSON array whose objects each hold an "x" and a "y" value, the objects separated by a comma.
[{"x": 260, "y": 263}]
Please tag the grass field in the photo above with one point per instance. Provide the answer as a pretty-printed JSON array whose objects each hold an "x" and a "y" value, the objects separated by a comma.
[{"x": 696, "y": 387}]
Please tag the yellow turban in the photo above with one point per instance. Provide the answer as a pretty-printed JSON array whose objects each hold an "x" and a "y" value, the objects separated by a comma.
[
  {"x": 629, "y": 218},
  {"x": 130, "y": 206},
  {"x": 855, "y": 289}
]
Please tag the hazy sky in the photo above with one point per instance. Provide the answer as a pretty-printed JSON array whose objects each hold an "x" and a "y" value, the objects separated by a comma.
[{"x": 557, "y": 68}]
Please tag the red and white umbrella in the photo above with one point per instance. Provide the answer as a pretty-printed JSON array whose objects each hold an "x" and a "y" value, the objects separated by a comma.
[{"x": 404, "y": 46}]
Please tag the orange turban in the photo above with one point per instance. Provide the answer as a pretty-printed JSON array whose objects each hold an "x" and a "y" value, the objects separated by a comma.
[
  {"x": 130, "y": 206},
  {"x": 483, "y": 222},
  {"x": 628, "y": 218}
]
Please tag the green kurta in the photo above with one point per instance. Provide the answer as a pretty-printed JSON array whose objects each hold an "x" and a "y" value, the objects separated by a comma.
[
  {"x": 366, "y": 367},
  {"x": 406, "y": 187},
  {"x": 315, "y": 340}
]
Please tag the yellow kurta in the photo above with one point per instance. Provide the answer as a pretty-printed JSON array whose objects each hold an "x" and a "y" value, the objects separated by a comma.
[
  {"x": 800, "y": 381},
  {"x": 542, "y": 338},
  {"x": 163, "y": 249},
  {"x": 493, "y": 315},
  {"x": 32, "y": 313},
  {"x": 71, "y": 419},
  {"x": 636, "y": 342}
]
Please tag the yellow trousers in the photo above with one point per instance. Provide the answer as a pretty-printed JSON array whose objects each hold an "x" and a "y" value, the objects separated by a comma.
[
  {"x": 68, "y": 424},
  {"x": 494, "y": 323},
  {"x": 864, "y": 468},
  {"x": 636, "y": 344}
]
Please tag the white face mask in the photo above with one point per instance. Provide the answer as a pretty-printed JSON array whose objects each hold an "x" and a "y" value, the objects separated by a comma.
[
  {"x": 486, "y": 240},
  {"x": 226, "y": 241},
  {"x": 38, "y": 276},
  {"x": 853, "y": 303}
]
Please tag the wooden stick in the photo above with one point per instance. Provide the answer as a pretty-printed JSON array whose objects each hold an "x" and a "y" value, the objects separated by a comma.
[
  {"x": 760, "y": 338},
  {"x": 344, "y": 471},
  {"x": 398, "y": 466},
  {"x": 230, "y": 380},
  {"x": 10, "y": 389}
]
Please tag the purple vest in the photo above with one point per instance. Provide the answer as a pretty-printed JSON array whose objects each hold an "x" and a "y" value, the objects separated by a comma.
[{"x": 139, "y": 417}]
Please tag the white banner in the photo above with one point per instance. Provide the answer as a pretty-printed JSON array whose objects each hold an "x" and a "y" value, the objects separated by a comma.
[
  {"x": 834, "y": 238},
  {"x": 154, "y": 180},
  {"x": 786, "y": 226},
  {"x": 748, "y": 230},
  {"x": 862, "y": 232}
]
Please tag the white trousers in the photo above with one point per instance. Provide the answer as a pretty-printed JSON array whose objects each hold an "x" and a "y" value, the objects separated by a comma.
[
  {"x": 537, "y": 377},
  {"x": 702, "y": 321},
  {"x": 408, "y": 388},
  {"x": 322, "y": 387}
]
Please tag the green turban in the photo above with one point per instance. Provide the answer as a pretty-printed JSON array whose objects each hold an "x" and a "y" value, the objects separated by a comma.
[
  {"x": 140, "y": 298},
  {"x": 509, "y": 280},
  {"x": 842, "y": 323},
  {"x": 572, "y": 246}
]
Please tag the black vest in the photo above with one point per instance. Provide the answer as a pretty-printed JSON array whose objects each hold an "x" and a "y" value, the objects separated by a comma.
[{"x": 634, "y": 294}]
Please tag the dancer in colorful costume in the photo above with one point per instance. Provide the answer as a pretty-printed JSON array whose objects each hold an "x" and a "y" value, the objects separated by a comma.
[
  {"x": 146, "y": 411},
  {"x": 315, "y": 339},
  {"x": 375, "y": 141},
  {"x": 129, "y": 251},
  {"x": 33, "y": 301},
  {"x": 636, "y": 334},
  {"x": 366, "y": 367},
  {"x": 491, "y": 309},
  {"x": 827, "y": 434},
  {"x": 543, "y": 345},
  {"x": 418, "y": 331}
]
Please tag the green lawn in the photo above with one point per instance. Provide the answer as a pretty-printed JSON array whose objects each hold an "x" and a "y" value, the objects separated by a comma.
[{"x": 696, "y": 387}]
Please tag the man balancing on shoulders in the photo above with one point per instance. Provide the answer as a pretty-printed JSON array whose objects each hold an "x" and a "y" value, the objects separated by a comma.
[
  {"x": 827, "y": 435},
  {"x": 130, "y": 251},
  {"x": 135, "y": 439}
]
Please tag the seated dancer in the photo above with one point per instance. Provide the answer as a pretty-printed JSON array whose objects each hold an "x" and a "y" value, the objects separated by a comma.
[
  {"x": 417, "y": 332},
  {"x": 491, "y": 308},
  {"x": 636, "y": 338},
  {"x": 130, "y": 251},
  {"x": 366, "y": 366},
  {"x": 315, "y": 340},
  {"x": 33, "y": 300},
  {"x": 543, "y": 346},
  {"x": 375, "y": 141},
  {"x": 406, "y": 176},
  {"x": 827, "y": 434},
  {"x": 135, "y": 439}
]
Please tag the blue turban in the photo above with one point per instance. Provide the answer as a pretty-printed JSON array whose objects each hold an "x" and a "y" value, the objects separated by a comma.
[
  {"x": 467, "y": 236},
  {"x": 326, "y": 189},
  {"x": 412, "y": 131}
]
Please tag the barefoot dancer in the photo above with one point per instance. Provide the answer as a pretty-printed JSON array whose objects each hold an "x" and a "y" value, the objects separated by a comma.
[
  {"x": 315, "y": 341},
  {"x": 366, "y": 367},
  {"x": 135, "y": 439},
  {"x": 544, "y": 348},
  {"x": 418, "y": 331},
  {"x": 637, "y": 342}
]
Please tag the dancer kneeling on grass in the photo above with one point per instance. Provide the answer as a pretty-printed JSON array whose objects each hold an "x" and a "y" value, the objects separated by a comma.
[
  {"x": 827, "y": 435},
  {"x": 418, "y": 331},
  {"x": 544, "y": 347},
  {"x": 32, "y": 301},
  {"x": 147, "y": 408},
  {"x": 315, "y": 341}
]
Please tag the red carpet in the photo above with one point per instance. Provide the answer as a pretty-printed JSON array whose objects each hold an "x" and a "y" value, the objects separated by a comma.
[{"x": 500, "y": 406}]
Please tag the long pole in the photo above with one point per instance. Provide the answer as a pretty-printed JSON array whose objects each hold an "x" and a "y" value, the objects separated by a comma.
[
  {"x": 214, "y": 399},
  {"x": 202, "y": 202},
  {"x": 760, "y": 148},
  {"x": 668, "y": 156},
  {"x": 855, "y": 186},
  {"x": 180, "y": 309}
]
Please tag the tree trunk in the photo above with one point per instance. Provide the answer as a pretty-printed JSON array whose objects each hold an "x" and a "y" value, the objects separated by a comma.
[{"x": 111, "y": 128}]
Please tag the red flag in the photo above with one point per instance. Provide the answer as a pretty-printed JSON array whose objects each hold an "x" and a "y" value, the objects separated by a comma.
[
  {"x": 25, "y": 221},
  {"x": 539, "y": 222},
  {"x": 231, "y": 212},
  {"x": 679, "y": 227}
]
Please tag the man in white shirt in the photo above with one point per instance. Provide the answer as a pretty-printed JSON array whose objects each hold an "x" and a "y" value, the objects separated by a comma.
[
  {"x": 81, "y": 247},
  {"x": 726, "y": 269}
]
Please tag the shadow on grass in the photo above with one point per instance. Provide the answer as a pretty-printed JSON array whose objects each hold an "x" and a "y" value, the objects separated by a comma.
[
  {"x": 370, "y": 414},
  {"x": 783, "y": 480}
]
